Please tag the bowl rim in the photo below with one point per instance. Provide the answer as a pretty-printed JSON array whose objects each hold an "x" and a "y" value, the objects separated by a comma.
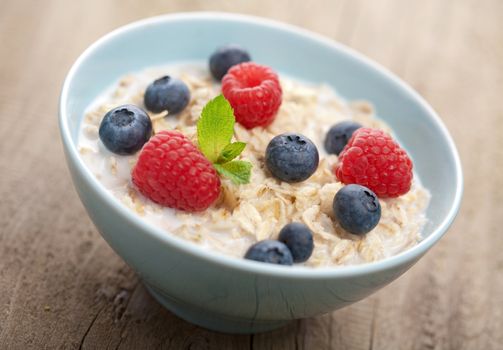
[{"x": 293, "y": 272}]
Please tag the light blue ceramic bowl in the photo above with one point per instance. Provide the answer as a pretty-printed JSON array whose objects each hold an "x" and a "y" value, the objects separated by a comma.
[{"x": 236, "y": 295}]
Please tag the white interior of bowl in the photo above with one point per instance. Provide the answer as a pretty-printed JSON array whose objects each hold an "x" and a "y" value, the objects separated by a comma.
[{"x": 292, "y": 51}]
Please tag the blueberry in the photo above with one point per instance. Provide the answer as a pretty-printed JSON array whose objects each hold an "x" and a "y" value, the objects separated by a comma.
[
  {"x": 166, "y": 94},
  {"x": 226, "y": 57},
  {"x": 291, "y": 157},
  {"x": 125, "y": 129},
  {"x": 357, "y": 209},
  {"x": 299, "y": 239},
  {"x": 270, "y": 251},
  {"x": 339, "y": 135}
]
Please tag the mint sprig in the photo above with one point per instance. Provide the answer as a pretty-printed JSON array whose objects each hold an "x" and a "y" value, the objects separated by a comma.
[{"x": 214, "y": 133}]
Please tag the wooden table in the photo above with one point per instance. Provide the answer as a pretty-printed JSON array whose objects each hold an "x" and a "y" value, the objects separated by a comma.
[{"x": 61, "y": 286}]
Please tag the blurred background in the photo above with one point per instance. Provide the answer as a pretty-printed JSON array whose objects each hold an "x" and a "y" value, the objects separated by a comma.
[{"x": 61, "y": 286}]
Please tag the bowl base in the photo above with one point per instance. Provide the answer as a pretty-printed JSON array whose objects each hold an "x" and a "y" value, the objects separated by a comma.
[{"x": 212, "y": 321}]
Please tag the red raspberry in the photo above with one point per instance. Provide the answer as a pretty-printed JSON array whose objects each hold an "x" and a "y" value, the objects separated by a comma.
[
  {"x": 254, "y": 93},
  {"x": 171, "y": 171},
  {"x": 373, "y": 159}
]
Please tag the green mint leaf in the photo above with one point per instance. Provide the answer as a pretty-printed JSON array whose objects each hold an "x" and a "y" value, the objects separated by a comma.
[
  {"x": 238, "y": 171},
  {"x": 215, "y": 127},
  {"x": 231, "y": 151}
]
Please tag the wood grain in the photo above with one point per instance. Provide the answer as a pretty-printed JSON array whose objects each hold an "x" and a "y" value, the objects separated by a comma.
[{"x": 62, "y": 287}]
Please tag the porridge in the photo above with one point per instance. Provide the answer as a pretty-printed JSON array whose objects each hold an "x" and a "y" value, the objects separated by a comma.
[{"x": 243, "y": 214}]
